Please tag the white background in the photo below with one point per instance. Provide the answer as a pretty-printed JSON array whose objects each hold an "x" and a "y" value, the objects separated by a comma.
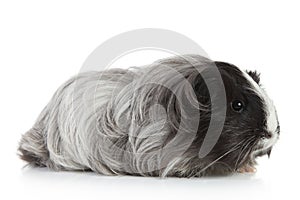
[{"x": 43, "y": 44}]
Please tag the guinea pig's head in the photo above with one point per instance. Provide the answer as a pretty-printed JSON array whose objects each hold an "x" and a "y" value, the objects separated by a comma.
[{"x": 251, "y": 125}]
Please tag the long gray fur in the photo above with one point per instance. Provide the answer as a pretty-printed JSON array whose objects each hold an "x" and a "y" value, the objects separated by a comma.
[{"x": 117, "y": 121}]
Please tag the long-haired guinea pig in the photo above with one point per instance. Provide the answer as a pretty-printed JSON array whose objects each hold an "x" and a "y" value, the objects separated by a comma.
[{"x": 154, "y": 120}]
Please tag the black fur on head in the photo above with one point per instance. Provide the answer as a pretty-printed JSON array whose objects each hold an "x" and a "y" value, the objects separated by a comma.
[{"x": 245, "y": 134}]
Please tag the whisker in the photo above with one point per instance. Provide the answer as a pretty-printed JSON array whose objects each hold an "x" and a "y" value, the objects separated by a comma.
[
  {"x": 247, "y": 153},
  {"x": 216, "y": 160},
  {"x": 248, "y": 142}
]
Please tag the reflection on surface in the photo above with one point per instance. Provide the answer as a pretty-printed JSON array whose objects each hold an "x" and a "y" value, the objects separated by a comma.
[{"x": 86, "y": 179}]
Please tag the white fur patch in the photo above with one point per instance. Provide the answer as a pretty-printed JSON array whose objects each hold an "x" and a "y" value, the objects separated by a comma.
[{"x": 271, "y": 117}]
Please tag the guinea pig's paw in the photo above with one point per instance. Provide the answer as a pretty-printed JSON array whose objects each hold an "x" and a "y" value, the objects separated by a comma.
[{"x": 247, "y": 169}]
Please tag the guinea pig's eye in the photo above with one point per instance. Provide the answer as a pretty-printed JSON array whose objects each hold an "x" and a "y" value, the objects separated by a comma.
[{"x": 237, "y": 105}]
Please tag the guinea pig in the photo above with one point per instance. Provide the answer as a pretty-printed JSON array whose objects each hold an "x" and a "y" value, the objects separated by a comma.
[{"x": 153, "y": 120}]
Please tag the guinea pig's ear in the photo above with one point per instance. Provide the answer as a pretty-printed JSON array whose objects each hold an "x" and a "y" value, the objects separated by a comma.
[{"x": 254, "y": 75}]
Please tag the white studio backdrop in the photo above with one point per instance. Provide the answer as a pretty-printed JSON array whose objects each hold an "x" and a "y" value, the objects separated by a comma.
[{"x": 42, "y": 44}]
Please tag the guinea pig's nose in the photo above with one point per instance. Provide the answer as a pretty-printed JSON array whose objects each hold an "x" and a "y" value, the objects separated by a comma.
[{"x": 267, "y": 134}]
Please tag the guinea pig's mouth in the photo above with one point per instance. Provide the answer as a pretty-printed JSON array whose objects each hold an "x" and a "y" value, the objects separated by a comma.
[
  {"x": 262, "y": 152},
  {"x": 265, "y": 147}
]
